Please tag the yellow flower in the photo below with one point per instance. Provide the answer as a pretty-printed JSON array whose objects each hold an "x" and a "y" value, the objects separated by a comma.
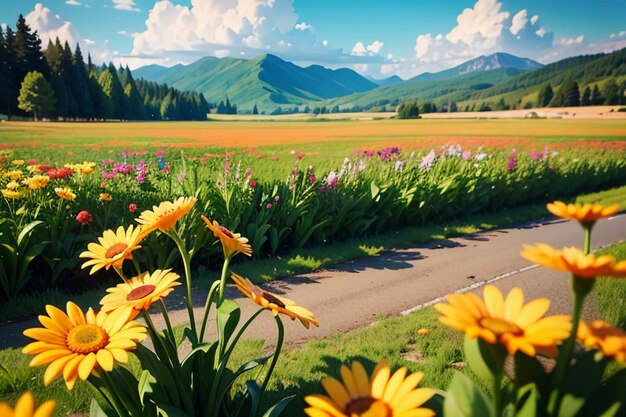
[
  {"x": 602, "y": 336},
  {"x": 37, "y": 181},
  {"x": 77, "y": 343},
  {"x": 113, "y": 249},
  {"x": 506, "y": 321},
  {"x": 574, "y": 260},
  {"x": 585, "y": 213},
  {"x": 274, "y": 302},
  {"x": 87, "y": 167},
  {"x": 232, "y": 243},
  {"x": 17, "y": 162},
  {"x": 25, "y": 407},
  {"x": 13, "y": 185},
  {"x": 13, "y": 175},
  {"x": 65, "y": 193},
  {"x": 141, "y": 291},
  {"x": 383, "y": 395},
  {"x": 12, "y": 194},
  {"x": 105, "y": 197},
  {"x": 165, "y": 215}
]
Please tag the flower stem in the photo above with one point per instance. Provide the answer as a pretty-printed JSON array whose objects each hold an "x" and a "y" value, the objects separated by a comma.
[
  {"x": 187, "y": 264},
  {"x": 168, "y": 323},
  {"x": 220, "y": 297},
  {"x": 587, "y": 239},
  {"x": 279, "y": 346},
  {"x": 207, "y": 309}
]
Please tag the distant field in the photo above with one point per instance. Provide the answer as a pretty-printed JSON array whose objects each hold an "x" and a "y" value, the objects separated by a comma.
[{"x": 351, "y": 133}]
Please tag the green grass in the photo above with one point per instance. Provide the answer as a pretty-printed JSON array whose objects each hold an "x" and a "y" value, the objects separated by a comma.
[{"x": 610, "y": 294}]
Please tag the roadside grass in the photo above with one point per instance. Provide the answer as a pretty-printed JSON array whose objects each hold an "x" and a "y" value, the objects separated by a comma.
[
  {"x": 299, "y": 371},
  {"x": 310, "y": 259}
]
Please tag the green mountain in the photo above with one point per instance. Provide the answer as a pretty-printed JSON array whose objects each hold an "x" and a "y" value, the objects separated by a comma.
[{"x": 267, "y": 81}]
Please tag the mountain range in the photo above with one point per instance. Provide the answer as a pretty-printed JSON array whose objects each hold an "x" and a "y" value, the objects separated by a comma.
[{"x": 273, "y": 84}]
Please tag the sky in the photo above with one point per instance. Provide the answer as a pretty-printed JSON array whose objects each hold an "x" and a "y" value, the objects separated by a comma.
[{"x": 376, "y": 38}]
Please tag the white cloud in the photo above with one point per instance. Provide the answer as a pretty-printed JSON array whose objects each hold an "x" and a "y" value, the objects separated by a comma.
[
  {"x": 128, "y": 5},
  {"x": 534, "y": 19},
  {"x": 325, "y": 42},
  {"x": 620, "y": 34},
  {"x": 519, "y": 22},
  {"x": 73, "y": 3},
  {"x": 480, "y": 27},
  {"x": 571, "y": 41},
  {"x": 359, "y": 49},
  {"x": 49, "y": 26},
  {"x": 125, "y": 33},
  {"x": 303, "y": 26},
  {"x": 89, "y": 41},
  {"x": 422, "y": 43},
  {"x": 540, "y": 32},
  {"x": 375, "y": 47}
]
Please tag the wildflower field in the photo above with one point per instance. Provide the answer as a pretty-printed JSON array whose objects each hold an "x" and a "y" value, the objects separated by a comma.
[{"x": 150, "y": 205}]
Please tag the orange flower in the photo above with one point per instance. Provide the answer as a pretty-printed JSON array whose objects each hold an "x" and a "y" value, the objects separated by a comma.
[
  {"x": 141, "y": 291},
  {"x": 232, "y": 243},
  {"x": 585, "y": 213},
  {"x": 65, "y": 193},
  {"x": 25, "y": 407},
  {"x": 273, "y": 302},
  {"x": 106, "y": 197},
  {"x": 602, "y": 336},
  {"x": 113, "y": 249},
  {"x": 165, "y": 215},
  {"x": 573, "y": 260}
]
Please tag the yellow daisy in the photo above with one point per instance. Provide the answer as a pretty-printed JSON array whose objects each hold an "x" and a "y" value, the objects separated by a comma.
[
  {"x": 113, "y": 249},
  {"x": 506, "y": 321},
  {"x": 583, "y": 213},
  {"x": 37, "y": 181},
  {"x": 232, "y": 243},
  {"x": 12, "y": 194},
  {"x": 573, "y": 260},
  {"x": 13, "y": 185},
  {"x": 13, "y": 175},
  {"x": 165, "y": 215},
  {"x": 65, "y": 193},
  {"x": 602, "y": 336},
  {"x": 77, "y": 343},
  {"x": 383, "y": 395},
  {"x": 141, "y": 291},
  {"x": 105, "y": 197},
  {"x": 25, "y": 407},
  {"x": 274, "y": 302}
]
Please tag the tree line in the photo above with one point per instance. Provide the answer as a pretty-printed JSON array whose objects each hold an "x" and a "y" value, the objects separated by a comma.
[{"x": 81, "y": 91}]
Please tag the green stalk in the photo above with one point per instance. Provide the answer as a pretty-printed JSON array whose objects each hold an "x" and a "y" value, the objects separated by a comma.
[
  {"x": 588, "y": 239},
  {"x": 207, "y": 308},
  {"x": 168, "y": 323},
  {"x": 220, "y": 297},
  {"x": 187, "y": 264},
  {"x": 279, "y": 346},
  {"x": 122, "y": 408},
  {"x": 497, "y": 394}
]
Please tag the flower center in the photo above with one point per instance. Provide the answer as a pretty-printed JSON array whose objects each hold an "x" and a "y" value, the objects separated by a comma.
[
  {"x": 115, "y": 250},
  {"x": 272, "y": 299},
  {"x": 86, "y": 338},
  {"x": 140, "y": 292},
  {"x": 227, "y": 232},
  {"x": 500, "y": 327},
  {"x": 368, "y": 407}
]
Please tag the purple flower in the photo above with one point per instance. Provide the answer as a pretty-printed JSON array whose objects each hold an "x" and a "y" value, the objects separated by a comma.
[
  {"x": 428, "y": 161},
  {"x": 181, "y": 178},
  {"x": 512, "y": 165},
  {"x": 399, "y": 165},
  {"x": 466, "y": 155},
  {"x": 534, "y": 156}
]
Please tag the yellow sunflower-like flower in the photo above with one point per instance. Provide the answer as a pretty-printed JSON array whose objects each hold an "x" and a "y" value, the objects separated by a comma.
[
  {"x": 77, "y": 343},
  {"x": 18, "y": 162},
  {"x": 12, "y": 185},
  {"x": 583, "y": 213},
  {"x": 113, "y": 249},
  {"x": 105, "y": 197},
  {"x": 86, "y": 168},
  {"x": 573, "y": 260},
  {"x": 273, "y": 302},
  {"x": 11, "y": 194},
  {"x": 37, "y": 181},
  {"x": 141, "y": 291},
  {"x": 65, "y": 193},
  {"x": 25, "y": 407},
  {"x": 232, "y": 243},
  {"x": 383, "y": 395},
  {"x": 602, "y": 336},
  {"x": 13, "y": 175},
  {"x": 165, "y": 215},
  {"x": 508, "y": 321}
]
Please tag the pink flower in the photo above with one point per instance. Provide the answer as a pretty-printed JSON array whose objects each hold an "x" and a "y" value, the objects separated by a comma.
[
  {"x": 277, "y": 198},
  {"x": 252, "y": 183},
  {"x": 300, "y": 155},
  {"x": 269, "y": 206},
  {"x": 322, "y": 188},
  {"x": 552, "y": 169},
  {"x": 158, "y": 153},
  {"x": 132, "y": 207},
  {"x": 84, "y": 218},
  {"x": 312, "y": 178}
]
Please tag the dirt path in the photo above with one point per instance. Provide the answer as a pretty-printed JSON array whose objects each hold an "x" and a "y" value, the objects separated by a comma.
[{"x": 352, "y": 295}]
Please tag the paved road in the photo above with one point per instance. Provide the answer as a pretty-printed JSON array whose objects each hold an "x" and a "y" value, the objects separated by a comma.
[{"x": 354, "y": 294}]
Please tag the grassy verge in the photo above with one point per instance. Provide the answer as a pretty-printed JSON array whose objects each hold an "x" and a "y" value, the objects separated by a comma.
[
  {"x": 306, "y": 260},
  {"x": 438, "y": 354}
]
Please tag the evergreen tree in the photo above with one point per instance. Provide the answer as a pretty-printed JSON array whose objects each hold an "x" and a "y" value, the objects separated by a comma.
[
  {"x": 28, "y": 49},
  {"x": 221, "y": 108},
  {"x": 596, "y": 96},
  {"x": 36, "y": 95},
  {"x": 255, "y": 110},
  {"x": 11, "y": 67},
  {"x": 84, "y": 98},
  {"x": 571, "y": 94},
  {"x": 585, "y": 99},
  {"x": 408, "y": 110},
  {"x": 610, "y": 91},
  {"x": 107, "y": 106},
  {"x": 622, "y": 93},
  {"x": 545, "y": 96}
]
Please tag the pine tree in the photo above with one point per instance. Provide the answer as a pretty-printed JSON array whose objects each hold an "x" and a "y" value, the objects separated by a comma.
[
  {"x": 85, "y": 101},
  {"x": 545, "y": 96},
  {"x": 36, "y": 95},
  {"x": 596, "y": 96},
  {"x": 585, "y": 99},
  {"x": 610, "y": 91},
  {"x": 107, "y": 106},
  {"x": 255, "y": 110},
  {"x": 571, "y": 94},
  {"x": 28, "y": 49}
]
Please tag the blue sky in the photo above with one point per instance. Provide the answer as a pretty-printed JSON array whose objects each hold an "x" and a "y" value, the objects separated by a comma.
[{"x": 376, "y": 38}]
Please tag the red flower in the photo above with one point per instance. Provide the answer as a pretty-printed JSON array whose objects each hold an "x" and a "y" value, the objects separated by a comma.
[
  {"x": 269, "y": 205},
  {"x": 252, "y": 184},
  {"x": 277, "y": 198},
  {"x": 60, "y": 173},
  {"x": 32, "y": 162},
  {"x": 84, "y": 218},
  {"x": 132, "y": 207},
  {"x": 552, "y": 169}
]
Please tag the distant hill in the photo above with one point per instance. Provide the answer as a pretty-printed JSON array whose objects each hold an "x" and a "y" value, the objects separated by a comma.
[
  {"x": 267, "y": 81},
  {"x": 394, "y": 79}
]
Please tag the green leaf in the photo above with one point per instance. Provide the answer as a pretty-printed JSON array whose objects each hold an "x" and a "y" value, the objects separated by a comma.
[
  {"x": 374, "y": 189},
  {"x": 228, "y": 314},
  {"x": 279, "y": 407},
  {"x": 609, "y": 400},
  {"x": 485, "y": 360},
  {"x": 581, "y": 380},
  {"x": 27, "y": 230},
  {"x": 95, "y": 410},
  {"x": 464, "y": 399},
  {"x": 527, "y": 404},
  {"x": 529, "y": 370},
  {"x": 169, "y": 411}
]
